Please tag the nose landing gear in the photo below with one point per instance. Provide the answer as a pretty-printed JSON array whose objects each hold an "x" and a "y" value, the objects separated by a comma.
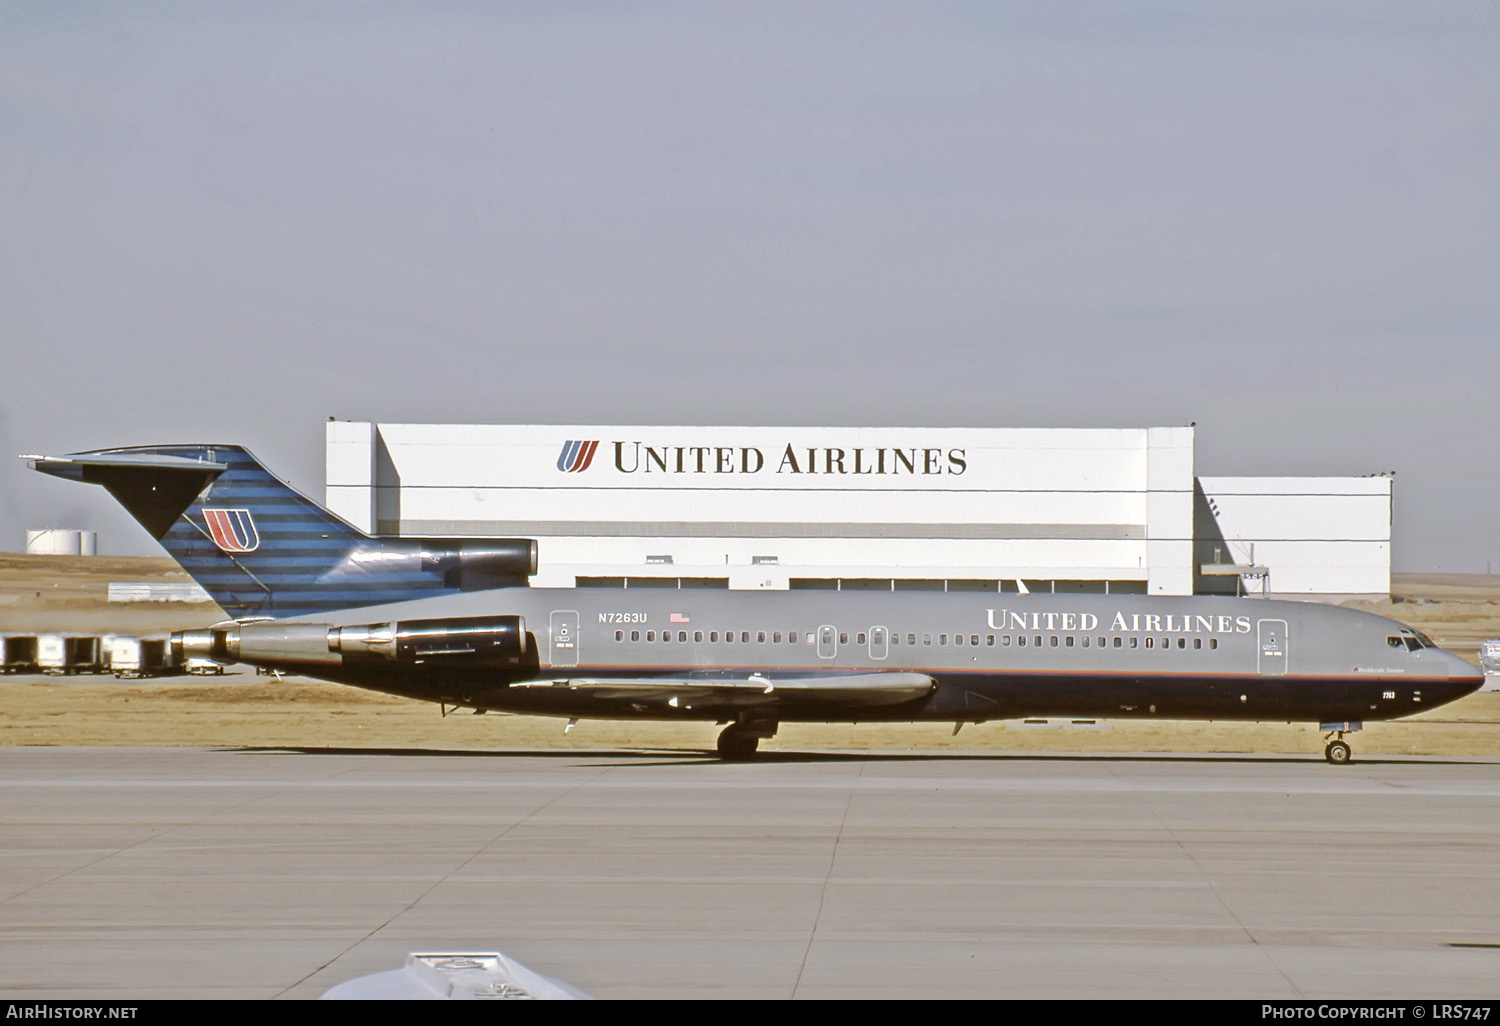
[{"x": 1337, "y": 751}]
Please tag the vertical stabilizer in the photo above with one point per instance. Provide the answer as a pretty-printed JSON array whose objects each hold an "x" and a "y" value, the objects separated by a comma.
[{"x": 260, "y": 548}]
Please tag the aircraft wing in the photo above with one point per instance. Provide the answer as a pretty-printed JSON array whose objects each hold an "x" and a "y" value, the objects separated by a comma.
[{"x": 857, "y": 691}]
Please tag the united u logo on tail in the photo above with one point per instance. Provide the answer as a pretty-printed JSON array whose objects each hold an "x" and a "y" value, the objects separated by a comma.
[
  {"x": 232, "y": 530},
  {"x": 576, "y": 456}
]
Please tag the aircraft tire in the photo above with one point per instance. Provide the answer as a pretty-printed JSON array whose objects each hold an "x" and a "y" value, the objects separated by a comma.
[
  {"x": 737, "y": 746},
  {"x": 1338, "y": 753}
]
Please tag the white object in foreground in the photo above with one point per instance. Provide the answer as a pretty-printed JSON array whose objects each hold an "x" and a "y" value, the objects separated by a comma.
[{"x": 455, "y": 976}]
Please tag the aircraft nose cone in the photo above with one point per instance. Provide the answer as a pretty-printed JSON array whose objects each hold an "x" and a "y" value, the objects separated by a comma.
[{"x": 1460, "y": 669}]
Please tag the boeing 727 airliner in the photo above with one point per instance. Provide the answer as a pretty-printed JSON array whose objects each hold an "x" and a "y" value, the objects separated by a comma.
[{"x": 454, "y": 622}]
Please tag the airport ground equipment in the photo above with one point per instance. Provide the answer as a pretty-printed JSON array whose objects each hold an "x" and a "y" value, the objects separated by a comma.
[
  {"x": 18, "y": 653},
  {"x": 456, "y": 976},
  {"x": 64, "y": 654},
  {"x": 1489, "y": 655},
  {"x": 133, "y": 658}
]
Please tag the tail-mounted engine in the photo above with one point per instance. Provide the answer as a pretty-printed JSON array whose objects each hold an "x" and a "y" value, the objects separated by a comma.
[
  {"x": 471, "y": 641},
  {"x": 474, "y": 565},
  {"x": 456, "y": 643}
]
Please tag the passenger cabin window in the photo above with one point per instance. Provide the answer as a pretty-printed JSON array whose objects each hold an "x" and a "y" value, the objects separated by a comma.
[
  {"x": 635, "y": 635},
  {"x": 761, "y": 637},
  {"x": 619, "y": 635},
  {"x": 974, "y": 639},
  {"x": 682, "y": 635},
  {"x": 650, "y": 635}
]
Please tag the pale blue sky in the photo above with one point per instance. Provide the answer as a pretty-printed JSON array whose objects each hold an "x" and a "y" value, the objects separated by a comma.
[{"x": 226, "y": 222}]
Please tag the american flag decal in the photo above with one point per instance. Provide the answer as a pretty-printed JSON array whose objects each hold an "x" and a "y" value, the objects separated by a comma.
[
  {"x": 679, "y": 618},
  {"x": 576, "y": 456},
  {"x": 232, "y": 529}
]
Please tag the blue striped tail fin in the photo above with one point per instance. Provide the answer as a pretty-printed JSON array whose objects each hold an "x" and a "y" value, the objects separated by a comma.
[{"x": 260, "y": 548}]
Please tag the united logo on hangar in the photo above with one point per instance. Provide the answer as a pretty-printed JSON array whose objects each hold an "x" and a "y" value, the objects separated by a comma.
[{"x": 576, "y": 456}]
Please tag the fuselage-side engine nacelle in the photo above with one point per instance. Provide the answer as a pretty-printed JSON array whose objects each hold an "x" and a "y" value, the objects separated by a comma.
[{"x": 455, "y": 643}]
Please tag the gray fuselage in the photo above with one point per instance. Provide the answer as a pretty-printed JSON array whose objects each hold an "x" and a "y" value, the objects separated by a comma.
[{"x": 990, "y": 655}]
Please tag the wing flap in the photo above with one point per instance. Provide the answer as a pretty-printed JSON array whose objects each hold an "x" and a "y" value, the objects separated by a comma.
[{"x": 859, "y": 690}]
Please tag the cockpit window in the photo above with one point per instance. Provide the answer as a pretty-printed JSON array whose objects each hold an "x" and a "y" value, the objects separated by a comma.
[{"x": 1411, "y": 638}]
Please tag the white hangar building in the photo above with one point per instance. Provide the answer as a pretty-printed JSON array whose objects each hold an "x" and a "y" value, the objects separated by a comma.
[{"x": 995, "y": 509}]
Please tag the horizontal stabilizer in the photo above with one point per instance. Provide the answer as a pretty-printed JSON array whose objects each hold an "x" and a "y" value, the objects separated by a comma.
[
  {"x": 154, "y": 487},
  {"x": 139, "y": 461}
]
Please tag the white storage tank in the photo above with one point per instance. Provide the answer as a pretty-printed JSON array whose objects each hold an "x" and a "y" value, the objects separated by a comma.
[{"x": 60, "y": 541}]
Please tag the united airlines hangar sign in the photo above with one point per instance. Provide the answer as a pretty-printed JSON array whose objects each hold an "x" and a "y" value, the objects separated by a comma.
[{"x": 577, "y": 455}]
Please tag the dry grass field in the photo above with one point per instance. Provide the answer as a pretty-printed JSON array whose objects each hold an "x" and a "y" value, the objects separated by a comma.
[{"x": 244, "y": 710}]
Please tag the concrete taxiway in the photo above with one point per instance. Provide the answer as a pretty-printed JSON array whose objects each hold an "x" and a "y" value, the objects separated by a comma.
[{"x": 167, "y": 873}]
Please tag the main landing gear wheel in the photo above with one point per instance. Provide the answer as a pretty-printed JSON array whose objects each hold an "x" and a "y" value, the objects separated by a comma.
[
  {"x": 737, "y": 745},
  {"x": 1338, "y": 753}
]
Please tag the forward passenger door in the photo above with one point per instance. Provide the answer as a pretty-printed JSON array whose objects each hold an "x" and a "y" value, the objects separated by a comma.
[{"x": 1271, "y": 651}]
